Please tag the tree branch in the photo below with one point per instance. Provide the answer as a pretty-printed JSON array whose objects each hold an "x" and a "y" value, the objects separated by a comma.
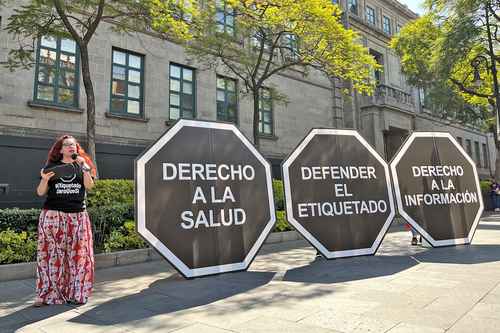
[
  {"x": 78, "y": 20},
  {"x": 233, "y": 69},
  {"x": 466, "y": 90},
  {"x": 492, "y": 10},
  {"x": 259, "y": 58},
  {"x": 270, "y": 58},
  {"x": 95, "y": 22},
  {"x": 67, "y": 24}
]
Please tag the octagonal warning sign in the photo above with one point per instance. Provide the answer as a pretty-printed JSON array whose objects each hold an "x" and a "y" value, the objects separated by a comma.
[
  {"x": 338, "y": 193},
  {"x": 204, "y": 198},
  {"x": 437, "y": 188}
]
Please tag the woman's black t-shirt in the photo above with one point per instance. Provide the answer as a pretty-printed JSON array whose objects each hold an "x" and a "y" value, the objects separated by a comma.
[{"x": 66, "y": 194}]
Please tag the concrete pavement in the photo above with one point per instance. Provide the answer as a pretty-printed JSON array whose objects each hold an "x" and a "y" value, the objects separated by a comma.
[{"x": 401, "y": 289}]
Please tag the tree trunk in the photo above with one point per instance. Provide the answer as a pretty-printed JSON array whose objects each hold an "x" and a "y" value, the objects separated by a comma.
[
  {"x": 496, "y": 92},
  {"x": 256, "y": 141},
  {"x": 89, "y": 91}
]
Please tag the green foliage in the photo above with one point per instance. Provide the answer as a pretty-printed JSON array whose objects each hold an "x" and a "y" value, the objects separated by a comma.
[
  {"x": 124, "y": 238},
  {"x": 485, "y": 186},
  {"x": 279, "y": 200},
  {"x": 307, "y": 34},
  {"x": 17, "y": 247},
  {"x": 447, "y": 52},
  {"x": 109, "y": 192},
  {"x": 105, "y": 219},
  {"x": 19, "y": 219},
  {"x": 281, "y": 222}
]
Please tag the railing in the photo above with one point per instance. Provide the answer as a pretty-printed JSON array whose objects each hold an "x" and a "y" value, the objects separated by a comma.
[{"x": 385, "y": 95}]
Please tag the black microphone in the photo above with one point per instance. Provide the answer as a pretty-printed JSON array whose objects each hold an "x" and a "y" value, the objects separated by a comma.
[{"x": 74, "y": 156}]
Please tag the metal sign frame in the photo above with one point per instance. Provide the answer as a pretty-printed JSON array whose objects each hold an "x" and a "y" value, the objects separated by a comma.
[
  {"x": 140, "y": 163},
  {"x": 394, "y": 162},
  {"x": 288, "y": 195}
]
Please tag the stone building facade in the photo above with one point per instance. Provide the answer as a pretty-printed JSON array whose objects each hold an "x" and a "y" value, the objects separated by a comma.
[{"x": 143, "y": 83}]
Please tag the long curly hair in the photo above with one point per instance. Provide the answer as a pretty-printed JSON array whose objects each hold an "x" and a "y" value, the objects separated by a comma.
[{"x": 55, "y": 153}]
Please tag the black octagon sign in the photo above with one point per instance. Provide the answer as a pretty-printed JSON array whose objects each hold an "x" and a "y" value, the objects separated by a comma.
[
  {"x": 338, "y": 193},
  {"x": 437, "y": 188},
  {"x": 204, "y": 198}
]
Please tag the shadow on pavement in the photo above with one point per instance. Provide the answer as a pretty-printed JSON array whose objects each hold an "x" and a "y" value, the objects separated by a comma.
[
  {"x": 29, "y": 315},
  {"x": 462, "y": 254},
  {"x": 349, "y": 269},
  {"x": 171, "y": 295}
]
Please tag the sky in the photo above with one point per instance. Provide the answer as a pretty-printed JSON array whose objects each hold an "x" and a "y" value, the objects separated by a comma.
[{"x": 414, "y": 5}]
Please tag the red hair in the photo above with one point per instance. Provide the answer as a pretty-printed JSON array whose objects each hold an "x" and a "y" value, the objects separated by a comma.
[{"x": 55, "y": 153}]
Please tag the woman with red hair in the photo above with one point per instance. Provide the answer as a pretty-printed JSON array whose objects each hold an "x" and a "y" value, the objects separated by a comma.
[{"x": 65, "y": 256}]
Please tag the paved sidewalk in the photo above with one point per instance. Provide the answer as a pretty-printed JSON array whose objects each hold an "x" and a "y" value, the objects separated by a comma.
[{"x": 401, "y": 289}]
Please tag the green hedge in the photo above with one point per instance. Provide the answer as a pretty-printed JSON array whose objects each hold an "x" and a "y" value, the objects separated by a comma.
[
  {"x": 109, "y": 192},
  {"x": 105, "y": 220},
  {"x": 281, "y": 222},
  {"x": 16, "y": 247},
  {"x": 279, "y": 200},
  {"x": 485, "y": 186},
  {"x": 124, "y": 238},
  {"x": 19, "y": 220}
]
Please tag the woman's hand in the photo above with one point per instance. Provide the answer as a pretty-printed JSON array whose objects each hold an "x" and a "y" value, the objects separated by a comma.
[
  {"x": 47, "y": 176},
  {"x": 43, "y": 187},
  {"x": 80, "y": 160}
]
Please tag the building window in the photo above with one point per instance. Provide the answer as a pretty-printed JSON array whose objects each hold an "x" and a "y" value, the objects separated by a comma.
[
  {"x": 224, "y": 17},
  {"x": 127, "y": 83},
  {"x": 57, "y": 72},
  {"x": 370, "y": 15},
  {"x": 468, "y": 147},
  {"x": 292, "y": 43},
  {"x": 459, "y": 139},
  {"x": 265, "y": 112},
  {"x": 421, "y": 95},
  {"x": 353, "y": 6},
  {"x": 227, "y": 104},
  {"x": 486, "y": 160},
  {"x": 182, "y": 92},
  {"x": 387, "y": 25},
  {"x": 379, "y": 58},
  {"x": 478, "y": 154},
  {"x": 398, "y": 28}
]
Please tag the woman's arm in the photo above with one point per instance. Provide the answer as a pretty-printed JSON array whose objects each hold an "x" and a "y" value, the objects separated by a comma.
[
  {"x": 43, "y": 187},
  {"x": 88, "y": 181}
]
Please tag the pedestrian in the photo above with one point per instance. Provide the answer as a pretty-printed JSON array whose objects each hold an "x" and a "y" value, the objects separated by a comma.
[
  {"x": 416, "y": 238},
  {"x": 495, "y": 195},
  {"x": 65, "y": 255}
]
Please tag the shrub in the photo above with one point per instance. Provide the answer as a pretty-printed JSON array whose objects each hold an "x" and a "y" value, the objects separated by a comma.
[
  {"x": 110, "y": 192},
  {"x": 281, "y": 222},
  {"x": 106, "y": 219},
  {"x": 279, "y": 201},
  {"x": 485, "y": 186},
  {"x": 19, "y": 219},
  {"x": 125, "y": 238},
  {"x": 17, "y": 247}
]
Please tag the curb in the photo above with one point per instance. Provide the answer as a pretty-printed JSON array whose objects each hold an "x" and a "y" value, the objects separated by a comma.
[{"x": 27, "y": 270}]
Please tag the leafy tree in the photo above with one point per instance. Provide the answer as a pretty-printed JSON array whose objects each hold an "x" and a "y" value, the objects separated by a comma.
[
  {"x": 257, "y": 39},
  {"x": 453, "y": 52},
  {"x": 79, "y": 20}
]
